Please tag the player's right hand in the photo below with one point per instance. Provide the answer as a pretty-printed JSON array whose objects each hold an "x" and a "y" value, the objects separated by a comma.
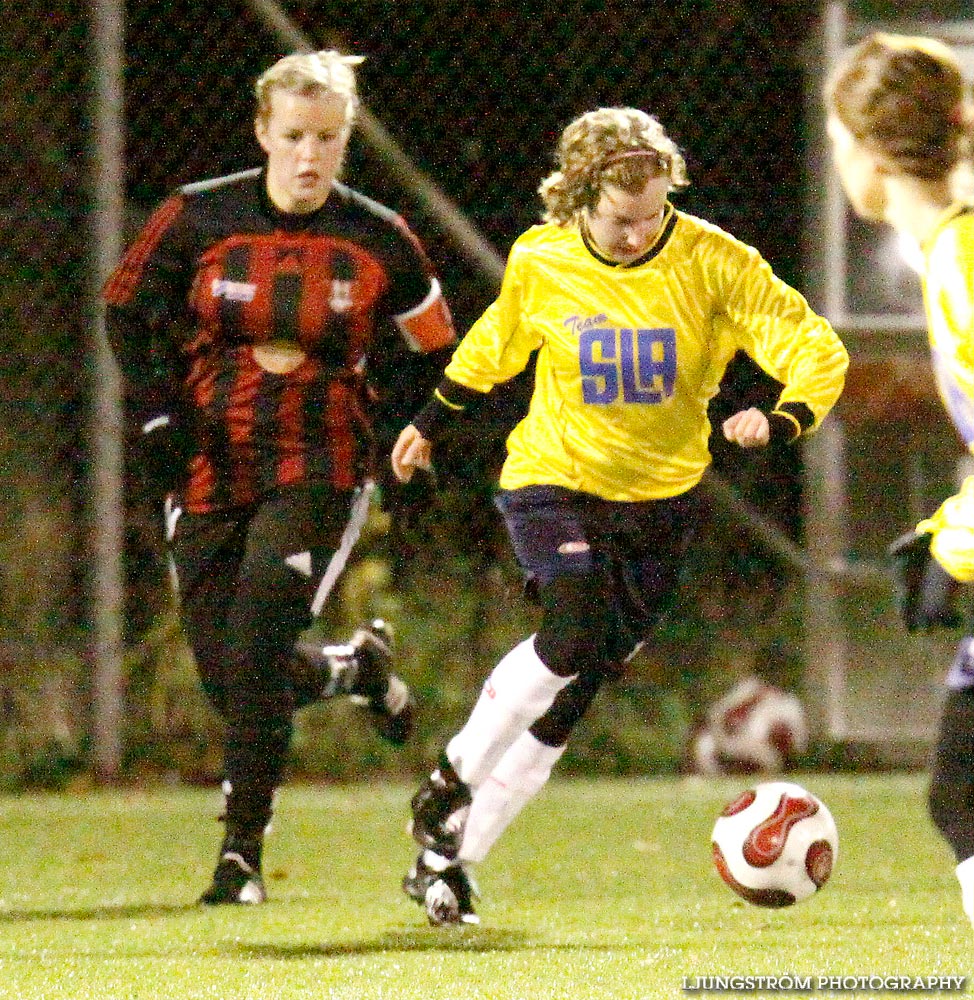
[
  {"x": 410, "y": 452},
  {"x": 156, "y": 459}
]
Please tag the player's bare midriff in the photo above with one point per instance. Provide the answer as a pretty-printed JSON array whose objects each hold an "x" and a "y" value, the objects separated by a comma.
[{"x": 279, "y": 356}]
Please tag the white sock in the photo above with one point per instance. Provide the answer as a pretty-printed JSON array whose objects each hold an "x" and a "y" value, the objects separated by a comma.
[
  {"x": 965, "y": 875},
  {"x": 519, "y": 690},
  {"x": 518, "y": 777},
  {"x": 437, "y": 862}
]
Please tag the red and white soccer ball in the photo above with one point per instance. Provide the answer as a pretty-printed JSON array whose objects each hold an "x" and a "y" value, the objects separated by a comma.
[
  {"x": 754, "y": 728},
  {"x": 775, "y": 844}
]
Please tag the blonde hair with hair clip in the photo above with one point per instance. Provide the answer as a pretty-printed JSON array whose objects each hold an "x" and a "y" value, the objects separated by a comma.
[
  {"x": 620, "y": 146},
  {"x": 309, "y": 73}
]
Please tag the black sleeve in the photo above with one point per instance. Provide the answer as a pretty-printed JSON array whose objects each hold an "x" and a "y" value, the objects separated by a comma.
[
  {"x": 400, "y": 381},
  {"x": 145, "y": 300},
  {"x": 449, "y": 401},
  {"x": 789, "y": 421},
  {"x": 410, "y": 268},
  {"x": 744, "y": 385}
]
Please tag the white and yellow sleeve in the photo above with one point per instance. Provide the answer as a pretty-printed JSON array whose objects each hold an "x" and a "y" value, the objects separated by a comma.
[{"x": 952, "y": 531}]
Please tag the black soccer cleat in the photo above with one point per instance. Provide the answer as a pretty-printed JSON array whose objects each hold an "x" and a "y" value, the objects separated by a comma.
[
  {"x": 418, "y": 879},
  {"x": 446, "y": 894},
  {"x": 440, "y": 807},
  {"x": 234, "y": 882},
  {"x": 360, "y": 668},
  {"x": 449, "y": 899},
  {"x": 385, "y": 695}
]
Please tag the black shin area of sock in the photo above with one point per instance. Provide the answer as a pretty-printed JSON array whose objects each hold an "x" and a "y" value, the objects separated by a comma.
[
  {"x": 574, "y": 633},
  {"x": 951, "y": 793},
  {"x": 245, "y": 844},
  {"x": 571, "y": 703},
  {"x": 254, "y": 761}
]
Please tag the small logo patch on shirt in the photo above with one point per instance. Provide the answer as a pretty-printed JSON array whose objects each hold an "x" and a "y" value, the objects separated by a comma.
[
  {"x": 341, "y": 296},
  {"x": 233, "y": 291}
]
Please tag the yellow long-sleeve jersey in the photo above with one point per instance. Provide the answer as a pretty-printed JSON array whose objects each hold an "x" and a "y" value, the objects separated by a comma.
[
  {"x": 948, "y": 294},
  {"x": 628, "y": 356}
]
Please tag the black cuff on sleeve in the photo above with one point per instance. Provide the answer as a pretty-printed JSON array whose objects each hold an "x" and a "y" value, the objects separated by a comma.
[
  {"x": 789, "y": 421},
  {"x": 450, "y": 400},
  {"x": 157, "y": 458}
]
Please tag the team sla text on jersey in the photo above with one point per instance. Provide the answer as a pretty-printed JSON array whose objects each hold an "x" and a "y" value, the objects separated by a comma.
[{"x": 629, "y": 356}]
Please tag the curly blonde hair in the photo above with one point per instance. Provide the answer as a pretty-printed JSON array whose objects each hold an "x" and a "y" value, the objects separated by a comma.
[
  {"x": 620, "y": 146},
  {"x": 324, "y": 72},
  {"x": 905, "y": 98}
]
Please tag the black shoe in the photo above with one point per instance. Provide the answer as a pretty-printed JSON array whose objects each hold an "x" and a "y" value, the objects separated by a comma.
[
  {"x": 234, "y": 881},
  {"x": 385, "y": 695},
  {"x": 440, "y": 807},
  {"x": 418, "y": 879},
  {"x": 360, "y": 668},
  {"x": 449, "y": 899}
]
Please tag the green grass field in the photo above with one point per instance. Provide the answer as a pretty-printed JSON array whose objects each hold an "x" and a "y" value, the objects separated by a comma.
[{"x": 602, "y": 889}]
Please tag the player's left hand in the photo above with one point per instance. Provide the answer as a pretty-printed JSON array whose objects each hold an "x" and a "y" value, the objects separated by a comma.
[
  {"x": 925, "y": 593},
  {"x": 749, "y": 428}
]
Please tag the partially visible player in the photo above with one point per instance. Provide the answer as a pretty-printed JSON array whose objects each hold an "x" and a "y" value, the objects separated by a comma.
[
  {"x": 244, "y": 318},
  {"x": 634, "y": 309},
  {"x": 900, "y": 129}
]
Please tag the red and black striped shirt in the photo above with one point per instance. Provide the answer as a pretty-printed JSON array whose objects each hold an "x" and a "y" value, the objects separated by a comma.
[{"x": 216, "y": 271}]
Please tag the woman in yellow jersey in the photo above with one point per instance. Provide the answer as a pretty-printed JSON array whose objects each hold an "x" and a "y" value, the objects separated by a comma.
[
  {"x": 634, "y": 310},
  {"x": 899, "y": 124}
]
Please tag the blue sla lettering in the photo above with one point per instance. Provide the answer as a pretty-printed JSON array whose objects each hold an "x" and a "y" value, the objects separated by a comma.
[{"x": 642, "y": 362}]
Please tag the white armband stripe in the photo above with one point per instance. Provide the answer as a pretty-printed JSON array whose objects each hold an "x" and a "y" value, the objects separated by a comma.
[{"x": 434, "y": 293}]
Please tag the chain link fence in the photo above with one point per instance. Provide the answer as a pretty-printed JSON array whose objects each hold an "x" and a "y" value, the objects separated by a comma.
[
  {"x": 476, "y": 95},
  {"x": 43, "y": 368}
]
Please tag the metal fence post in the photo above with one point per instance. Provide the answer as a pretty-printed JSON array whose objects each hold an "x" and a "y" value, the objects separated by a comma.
[{"x": 106, "y": 538}]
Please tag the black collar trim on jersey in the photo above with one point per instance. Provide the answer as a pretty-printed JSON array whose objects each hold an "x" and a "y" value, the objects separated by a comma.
[
  {"x": 957, "y": 210},
  {"x": 290, "y": 222},
  {"x": 661, "y": 242}
]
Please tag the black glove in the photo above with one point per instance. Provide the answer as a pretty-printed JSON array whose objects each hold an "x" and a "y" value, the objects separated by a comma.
[
  {"x": 157, "y": 458},
  {"x": 925, "y": 592}
]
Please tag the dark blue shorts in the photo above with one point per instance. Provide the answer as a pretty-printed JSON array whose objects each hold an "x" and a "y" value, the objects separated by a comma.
[{"x": 632, "y": 552}]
